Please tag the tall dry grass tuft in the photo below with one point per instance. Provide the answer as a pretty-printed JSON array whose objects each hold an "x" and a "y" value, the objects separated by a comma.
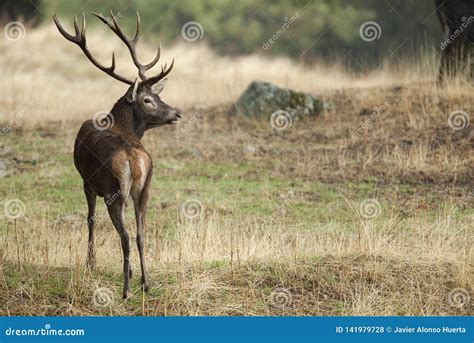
[{"x": 241, "y": 240}]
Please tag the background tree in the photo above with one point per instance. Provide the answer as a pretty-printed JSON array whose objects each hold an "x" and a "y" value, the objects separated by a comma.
[
  {"x": 25, "y": 10},
  {"x": 457, "y": 21},
  {"x": 325, "y": 29}
]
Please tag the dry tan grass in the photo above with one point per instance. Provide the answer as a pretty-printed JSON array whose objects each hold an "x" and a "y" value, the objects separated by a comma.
[
  {"x": 218, "y": 239},
  {"x": 46, "y": 69},
  {"x": 229, "y": 263}
]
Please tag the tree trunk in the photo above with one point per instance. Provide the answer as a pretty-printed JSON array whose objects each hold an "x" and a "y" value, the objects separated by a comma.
[{"x": 457, "y": 48}]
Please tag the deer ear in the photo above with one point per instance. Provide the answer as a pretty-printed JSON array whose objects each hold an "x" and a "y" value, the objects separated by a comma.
[
  {"x": 159, "y": 86},
  {"x": 132, "y": 92}
]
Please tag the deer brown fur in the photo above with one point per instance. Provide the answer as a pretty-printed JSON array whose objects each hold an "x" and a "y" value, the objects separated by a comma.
[{"x": 111, "y": 160}]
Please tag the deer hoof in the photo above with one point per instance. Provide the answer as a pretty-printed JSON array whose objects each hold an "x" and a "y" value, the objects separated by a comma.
[
  {"x": 90, "y": 263},
  {"x": 127, "y": 295},
  {"x": 145, "y": 287}
]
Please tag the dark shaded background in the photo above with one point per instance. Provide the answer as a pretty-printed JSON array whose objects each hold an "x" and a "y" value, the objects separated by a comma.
[{"x": 325, "y": 29}]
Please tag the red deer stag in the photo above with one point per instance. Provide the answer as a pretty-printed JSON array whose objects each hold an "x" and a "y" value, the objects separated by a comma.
[{"x": 112, "y": 161}]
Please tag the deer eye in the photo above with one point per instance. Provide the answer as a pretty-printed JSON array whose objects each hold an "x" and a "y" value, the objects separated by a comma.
[{"x": 147, "y": 101}]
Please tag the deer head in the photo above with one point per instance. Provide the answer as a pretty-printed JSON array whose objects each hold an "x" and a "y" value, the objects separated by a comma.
[{"x": 143, "y": 94}]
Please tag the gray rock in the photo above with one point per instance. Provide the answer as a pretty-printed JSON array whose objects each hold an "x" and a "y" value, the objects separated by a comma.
[{"x": 261, "y": 99}]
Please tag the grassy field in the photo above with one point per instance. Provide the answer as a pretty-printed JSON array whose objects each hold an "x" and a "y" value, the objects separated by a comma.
[{"x": 348, "y": 213}]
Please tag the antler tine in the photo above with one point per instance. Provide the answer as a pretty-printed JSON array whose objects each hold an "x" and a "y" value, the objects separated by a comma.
[
  {"x": 102, "y": 19},
  {"x": 76, "y": 27},
  {"x": 66, "y": 35},
  {"x": 136, "y": 39},
  {"x": 80, "y": 39},
  {"x": 81, "y": 34},
  {"x": 130, "y": 43},
  {"x": 112, "y": 66},
  {"x": 114, "y": 26},
  {"x": 119, "y": 31},
  {"x": 159, "y": 76},
  {"x": 137, "y": 32},
  {"x": 83, "y": 29},
  {"x": 155, "y": 60}
]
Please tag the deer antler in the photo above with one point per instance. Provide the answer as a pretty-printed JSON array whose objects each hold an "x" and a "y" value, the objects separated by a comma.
[
  {"x": 80, "y": 39},
  {"x": 131, "y": 44},
  {"x": 160, "y": 76}
]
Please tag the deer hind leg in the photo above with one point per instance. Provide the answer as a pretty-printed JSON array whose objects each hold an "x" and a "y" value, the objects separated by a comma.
[
  {"x": 91, "y": 197},
  {"x": 116, "y": 205},
  {"x": 139, "y": 194},
  {"x": 116, "y": 213}
]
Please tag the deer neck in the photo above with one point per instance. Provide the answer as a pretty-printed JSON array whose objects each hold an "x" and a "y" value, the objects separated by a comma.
[{"x": 126, "y": 120}]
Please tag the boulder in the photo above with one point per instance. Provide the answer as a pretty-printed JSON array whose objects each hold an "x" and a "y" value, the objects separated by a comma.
[{"x": 261, "y": 99}]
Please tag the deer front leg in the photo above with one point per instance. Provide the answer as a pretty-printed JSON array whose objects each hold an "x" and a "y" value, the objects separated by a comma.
[
  {"x": 116, "y": 210},
  {"x": 91, "y": 197}
]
